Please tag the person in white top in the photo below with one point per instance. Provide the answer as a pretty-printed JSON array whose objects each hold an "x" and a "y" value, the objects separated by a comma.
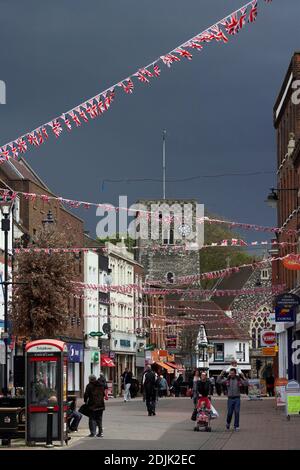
[{"x": 234, "y": 365}]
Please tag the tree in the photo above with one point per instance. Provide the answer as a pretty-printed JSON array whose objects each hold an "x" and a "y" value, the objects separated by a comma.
[
  {"x": 129, "y": 242},
  {"x": 40, "y": 304},
  {"x": 188, "y": 342},
  {"x": 216, "y": 258}
]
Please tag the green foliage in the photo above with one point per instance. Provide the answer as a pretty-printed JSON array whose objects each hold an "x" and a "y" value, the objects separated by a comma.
[{"x": 130, "y": 243}]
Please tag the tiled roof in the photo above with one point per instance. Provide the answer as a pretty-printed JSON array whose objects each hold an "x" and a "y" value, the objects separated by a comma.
[
  {"x": 218, "y": 324},
  {"x": 234, "y": 282}
]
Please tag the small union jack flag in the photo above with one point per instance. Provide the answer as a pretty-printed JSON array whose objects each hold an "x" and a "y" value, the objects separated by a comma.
[
  {"x": 45, "y": 133},
  {"x": 184, "y": 53},
  {"x": 40, "y": 137},
  {"x": 56, "y": 128},
  {"x": 128, "y": 86},
  {"x": 14, "y": 150},
  {"x": 141, "y": 77},
  {"x": 101, "y": 108},
  {"x": 32, "y": 139},
  {"x": 22, "y": 146},
  {"x": 253, "y": 12},
  {"x": 82, "y": 114},
  {"x": 146, "y": 72},
  {"x": 232, "y": 25},
  {"x": 67, "y": 122},
  {"x": 156, "y": 70},
  {"x": 4, "y": 153},
  {"x": 242, "y": 18},
  {"x": 75, "y": 119},
  {"x": 92, "y": 110},
  {"x": 218, "y": 34},
  {"x": 195, "y": 45}
]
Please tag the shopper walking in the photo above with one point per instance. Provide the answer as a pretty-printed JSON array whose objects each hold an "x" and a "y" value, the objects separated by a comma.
[
  {"x": 126, "y": 382},
  {"x": 163, "y": 387},
  {"x": 150, "y": 390},
  {"x": 94, "y": 398},
  {"x": 233, "y": 384}
]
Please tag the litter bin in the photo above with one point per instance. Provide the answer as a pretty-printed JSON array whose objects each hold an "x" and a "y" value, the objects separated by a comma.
[
  {"x": 9, "y": 423},
  {"x": 115, "y": 390}
]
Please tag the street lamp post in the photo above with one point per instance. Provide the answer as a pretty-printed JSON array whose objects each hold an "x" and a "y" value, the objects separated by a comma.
[{"x": 6, "y": 207}]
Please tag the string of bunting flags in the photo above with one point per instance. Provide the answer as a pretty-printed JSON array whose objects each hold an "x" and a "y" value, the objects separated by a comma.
[
  {"x": 97, "y": 105},
  {"x": 75, "y": 204},
  {"x": 224, "y": 243}
]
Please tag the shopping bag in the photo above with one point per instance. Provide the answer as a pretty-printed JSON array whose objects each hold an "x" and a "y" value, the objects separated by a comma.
[
  {"x": 84, "y": 410},
  {"x": 194, "y": 415},
  {"x": 189, "y": 393},
  {"x": 214, "y": 413}
]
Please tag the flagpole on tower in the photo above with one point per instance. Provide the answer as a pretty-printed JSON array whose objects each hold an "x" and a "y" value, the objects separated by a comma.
[{"x": 164, "y": 163}]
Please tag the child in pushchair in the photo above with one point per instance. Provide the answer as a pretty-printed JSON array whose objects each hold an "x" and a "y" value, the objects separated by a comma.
[{"x": 204, "y": 414}]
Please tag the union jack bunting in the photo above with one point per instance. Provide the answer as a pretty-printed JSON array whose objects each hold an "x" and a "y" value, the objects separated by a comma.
[
  {"x": 67, "y": 122},
  {"x": 195, "y": 45},
  {"x": 75, "y": 119},
  {"x": 232, "y": 25},
  {"x": 141, "y": 77},
  {"x": 242, "y": 18},
  {"x": 40, "y": 137},
  {"x": 253, "y": 12},
  {"x": 219, "y": 35},
  {"x": 128, "y": 86},
  {"x": 92, "y": 109},
  {"x": 45, "y": 133},
  {"x": 4, "y": 153},
  {"x": 22, "y": 146},
  {"x": 146, "y": 72},
  {"x": 14, "y": 151},
  {"x": 101, "y": 108},
  {"x": 32, "y": 139},
  {"x": 56, "y": 128},
  {"x": 82, "y": 114},
  {"x": 184, "y": 53},
  {"x": 156, "y": 70}
]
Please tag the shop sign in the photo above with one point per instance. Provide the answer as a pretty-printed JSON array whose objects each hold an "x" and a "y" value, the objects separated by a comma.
[
  {"x": 75, "y": 352},
  {"x": 2, "y": 352},
  {"x": 269, "y": 351},
  {"x": 254, "y": 392},
  {"x": 285, "y": 307},
  {"x": 125, "y": 343},
  {"x": 268, "y": 338}
]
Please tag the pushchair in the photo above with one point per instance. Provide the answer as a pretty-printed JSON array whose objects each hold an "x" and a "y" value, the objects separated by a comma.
[{"x": 204, "y": 414}]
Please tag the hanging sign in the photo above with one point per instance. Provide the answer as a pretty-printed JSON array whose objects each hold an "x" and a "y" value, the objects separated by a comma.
[
  {"x": 268, "y": 338},
  {"x": 285, "y": 307},
  {"x": 292, "y": 263}
]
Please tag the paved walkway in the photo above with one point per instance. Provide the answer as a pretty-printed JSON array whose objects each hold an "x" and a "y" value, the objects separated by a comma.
[{"x": 127, "y": 427}]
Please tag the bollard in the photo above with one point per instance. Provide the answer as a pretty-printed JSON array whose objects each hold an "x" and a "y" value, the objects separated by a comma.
[{"x": 49, "y": 442}]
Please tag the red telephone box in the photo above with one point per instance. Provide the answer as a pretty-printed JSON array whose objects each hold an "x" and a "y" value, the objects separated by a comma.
[{"x": 46, "y": 385}]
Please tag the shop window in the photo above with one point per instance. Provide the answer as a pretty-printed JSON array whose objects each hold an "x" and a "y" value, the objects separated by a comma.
[{"x": 219, "y": 352}]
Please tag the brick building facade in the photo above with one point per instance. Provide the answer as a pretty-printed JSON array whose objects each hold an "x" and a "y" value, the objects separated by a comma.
[{"x": 19, "y": 176}]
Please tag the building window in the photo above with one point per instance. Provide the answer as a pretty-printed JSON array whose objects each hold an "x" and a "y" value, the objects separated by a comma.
[
  {"x": 265, "y": 275},
  {"x": 219, "y": 352}
]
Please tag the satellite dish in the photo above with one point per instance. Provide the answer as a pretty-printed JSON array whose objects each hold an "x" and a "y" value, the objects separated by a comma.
[{"x": 106, "y": 328}]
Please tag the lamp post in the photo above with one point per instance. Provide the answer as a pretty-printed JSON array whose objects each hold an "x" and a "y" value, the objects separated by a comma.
[
  {"x": 6, "y": 205},
  {"x": 273, "y": 199}
]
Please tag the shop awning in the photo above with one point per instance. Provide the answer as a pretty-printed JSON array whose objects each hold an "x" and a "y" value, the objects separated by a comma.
[
  {"x": 165, "y": 366},
  {"x": 179, "y": 367},
  {"x": 107, "y": 361}
]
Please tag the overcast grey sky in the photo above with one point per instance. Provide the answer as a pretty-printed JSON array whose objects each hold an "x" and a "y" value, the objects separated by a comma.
[{"x": 217, "y": 109}]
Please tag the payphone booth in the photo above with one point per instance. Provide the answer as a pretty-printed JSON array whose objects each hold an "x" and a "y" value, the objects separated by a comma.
[{"x": 46, "y": 386}]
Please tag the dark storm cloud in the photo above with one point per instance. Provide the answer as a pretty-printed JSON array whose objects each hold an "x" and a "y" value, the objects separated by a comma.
[{"x": 217, "y": 109}]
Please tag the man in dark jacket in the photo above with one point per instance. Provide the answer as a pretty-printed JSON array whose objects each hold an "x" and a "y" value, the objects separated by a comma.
[
  {"x": 126, "y": 384},
  {"x": 233, "y": 384},
  {"x": 204, "y": 384},
  {"x": 94, "y": 398},
  {"x": 150, "y": 390}
]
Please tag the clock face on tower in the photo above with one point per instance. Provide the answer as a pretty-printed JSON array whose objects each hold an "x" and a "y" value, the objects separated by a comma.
[{"x": 184, "y": 230}]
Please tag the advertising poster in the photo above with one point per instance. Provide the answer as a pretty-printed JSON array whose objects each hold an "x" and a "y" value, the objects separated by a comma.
[
  {"x": 254, "y": 392},
  {"x": 280, "y": 393}
]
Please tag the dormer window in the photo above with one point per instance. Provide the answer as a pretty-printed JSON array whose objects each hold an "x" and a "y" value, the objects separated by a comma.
[{"x": 265, "y": 275}]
